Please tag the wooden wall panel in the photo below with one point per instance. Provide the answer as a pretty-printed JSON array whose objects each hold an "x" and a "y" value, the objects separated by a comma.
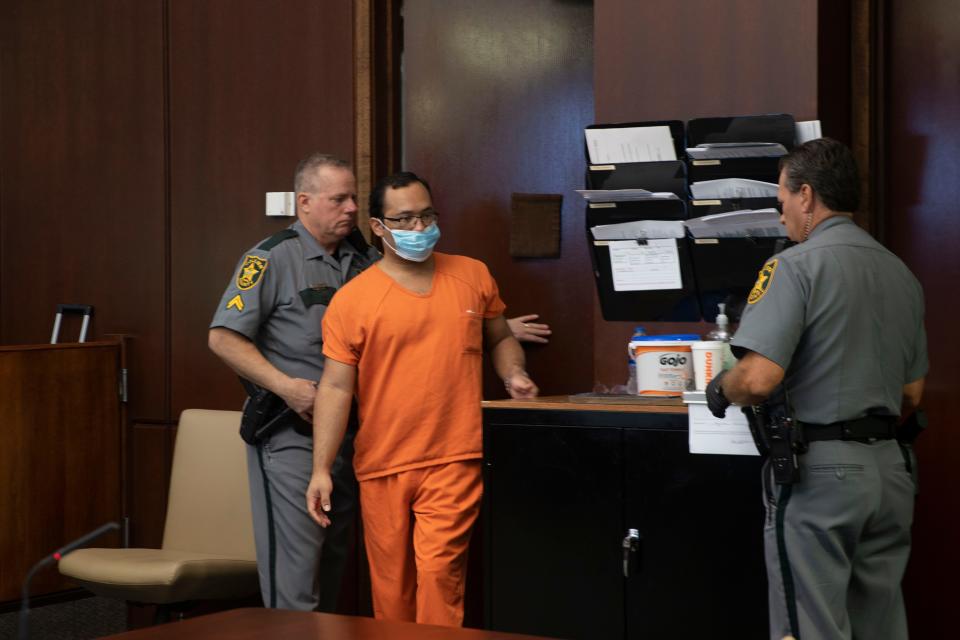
[
  {"x": 922, "y": 138},
  {"x": 82, "y": 194},
  {"x": 661, "y": 59},
  {"x": 254, "y": 86},
  {"x": 496, "y": 95}
]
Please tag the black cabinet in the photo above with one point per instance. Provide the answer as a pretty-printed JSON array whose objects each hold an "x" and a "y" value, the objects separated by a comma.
[{"x": 563, "y": 490}]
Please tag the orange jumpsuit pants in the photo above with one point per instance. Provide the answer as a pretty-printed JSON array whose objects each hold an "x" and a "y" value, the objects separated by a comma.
[{"x": 417, "y": 530}]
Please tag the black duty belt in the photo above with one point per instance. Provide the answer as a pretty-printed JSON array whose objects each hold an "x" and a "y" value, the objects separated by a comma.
[{"x": 866, "y": 429}]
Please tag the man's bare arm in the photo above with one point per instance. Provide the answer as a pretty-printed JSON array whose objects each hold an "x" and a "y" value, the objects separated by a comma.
[
  {"x": 752, "y": 380},
  {"x": 912, "y": 394},
  {"x": 508, "y": 359},
  {"x": 330, "y": 415},
  {"x": 241, "y": 355}
]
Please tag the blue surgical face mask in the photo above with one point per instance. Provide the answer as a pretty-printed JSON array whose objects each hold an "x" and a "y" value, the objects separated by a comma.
[{"x": 414, "y": 245}]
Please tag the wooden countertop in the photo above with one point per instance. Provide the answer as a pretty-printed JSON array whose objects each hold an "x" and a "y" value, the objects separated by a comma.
[{"x": 628, "y": 404}]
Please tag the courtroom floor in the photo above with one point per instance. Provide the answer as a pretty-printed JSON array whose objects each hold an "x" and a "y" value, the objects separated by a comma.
[{"x": 82, "y": 619}]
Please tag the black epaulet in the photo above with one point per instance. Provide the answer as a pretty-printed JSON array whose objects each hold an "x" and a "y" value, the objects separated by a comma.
[
  {"x": 358, "y": 241},
  {"x": 276, "y": 239}
]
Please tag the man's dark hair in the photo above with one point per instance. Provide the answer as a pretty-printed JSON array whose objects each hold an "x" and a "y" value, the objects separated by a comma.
[
  {"x": 396, "y": 181},
  {"x": 829, "y": 168}
]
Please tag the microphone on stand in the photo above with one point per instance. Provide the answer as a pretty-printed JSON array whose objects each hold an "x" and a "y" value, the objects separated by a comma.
[{"x": 47, "y": 561}]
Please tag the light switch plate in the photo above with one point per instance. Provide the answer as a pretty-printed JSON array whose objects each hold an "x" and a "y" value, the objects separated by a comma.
[{"x": 280, "y": 203}]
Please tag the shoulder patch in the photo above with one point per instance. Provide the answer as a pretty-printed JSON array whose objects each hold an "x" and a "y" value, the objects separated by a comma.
[
  {"x": 764, "y": 280},
  {"x": 251, "y": 272},
  {"x": 276, "y": 239}
]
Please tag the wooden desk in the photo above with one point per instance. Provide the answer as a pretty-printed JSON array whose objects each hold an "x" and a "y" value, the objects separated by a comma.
[{"x": 240, "y": 624}]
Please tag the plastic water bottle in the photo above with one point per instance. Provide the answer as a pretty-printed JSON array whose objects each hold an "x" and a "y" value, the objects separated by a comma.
[{"x": 638, "y": 332}]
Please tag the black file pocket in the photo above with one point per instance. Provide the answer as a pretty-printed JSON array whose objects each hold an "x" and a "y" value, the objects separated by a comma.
[
  {"x": 617, "y": 212},
  {"x": 668, "y": 176},
  {"x": 727, "y": 268},
  {"x": 676, "y": 304},
  {"x": 762, "y": 169},
  {"x": 700, "y": 208},
  {"x": 774, "y": 127},
  {"x": 777, "y": 128}
]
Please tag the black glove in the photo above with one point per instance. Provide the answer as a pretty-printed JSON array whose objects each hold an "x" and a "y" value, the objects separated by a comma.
[{"x": 716, "y": 401}]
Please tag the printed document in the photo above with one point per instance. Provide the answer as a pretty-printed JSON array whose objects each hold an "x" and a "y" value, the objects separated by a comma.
[
  {"x": 755, "y": 223},
  {"x": 630, "y": 144},
  {"x": 732, "y": 188},
  {"x": 729, "y": 435},
  {"x": 807, "y": 131},
  {"x": 653, "y": 266},
  {"x": 724, "y": 150}
]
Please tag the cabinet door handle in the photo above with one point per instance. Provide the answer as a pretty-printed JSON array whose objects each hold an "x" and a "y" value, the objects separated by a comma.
[{"x": 631, "y": 542}]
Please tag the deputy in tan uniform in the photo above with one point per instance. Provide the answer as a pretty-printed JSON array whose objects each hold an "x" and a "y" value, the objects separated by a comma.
[{"x": 832, "y": 337}]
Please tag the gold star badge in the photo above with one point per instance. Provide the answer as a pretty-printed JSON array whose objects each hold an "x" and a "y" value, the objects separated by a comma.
[{"x": 250, "y": 272}]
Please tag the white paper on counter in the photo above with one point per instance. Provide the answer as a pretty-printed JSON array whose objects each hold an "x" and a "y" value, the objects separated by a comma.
[
  {"x": 654, "y": 266},
  {"x": 727, "y": 436}
]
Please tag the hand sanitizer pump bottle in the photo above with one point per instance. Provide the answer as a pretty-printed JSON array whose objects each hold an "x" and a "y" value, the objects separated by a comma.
[{"x": 722, "y": 334}]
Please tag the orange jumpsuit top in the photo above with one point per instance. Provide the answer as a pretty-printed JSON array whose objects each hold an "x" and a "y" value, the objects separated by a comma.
[{"x": 418, "y": 359}]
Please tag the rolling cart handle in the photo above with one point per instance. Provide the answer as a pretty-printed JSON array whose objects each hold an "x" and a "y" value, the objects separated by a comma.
[{"x": 85, "y": 309}]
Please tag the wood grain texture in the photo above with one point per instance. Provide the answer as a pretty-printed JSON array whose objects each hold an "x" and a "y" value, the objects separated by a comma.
[
  {"x": 566, "y": 403},
  {"x": 496, "y": 96},
  {"x": 61, "y": 462},
  {"x": 254, "y": 87},
  {"x": 250, "y": 624},
  {"x": 660, "y": 59},
  {"x": 82, "y": 194},
  {"x": 922, "y": 134}
]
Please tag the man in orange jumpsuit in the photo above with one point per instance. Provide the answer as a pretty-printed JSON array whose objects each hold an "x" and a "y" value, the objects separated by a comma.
[{"x": 407, "y": 336}]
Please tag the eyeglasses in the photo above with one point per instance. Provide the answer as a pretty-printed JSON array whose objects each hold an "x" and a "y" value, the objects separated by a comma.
[{"x": 409, "y": 222}]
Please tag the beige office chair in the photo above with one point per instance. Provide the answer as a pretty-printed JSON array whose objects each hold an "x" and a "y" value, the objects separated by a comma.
[{"x": 208, "y": 550}]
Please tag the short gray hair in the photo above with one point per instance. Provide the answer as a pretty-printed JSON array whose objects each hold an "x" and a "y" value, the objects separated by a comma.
[{"x": 303, "y": 177}]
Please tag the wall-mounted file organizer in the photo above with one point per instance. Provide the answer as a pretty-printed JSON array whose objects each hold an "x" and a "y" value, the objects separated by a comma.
[
  {"x": 650, "y": 278},
  {"x": 726, "y": 135},
  {"x": 727, "y": 268}
]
